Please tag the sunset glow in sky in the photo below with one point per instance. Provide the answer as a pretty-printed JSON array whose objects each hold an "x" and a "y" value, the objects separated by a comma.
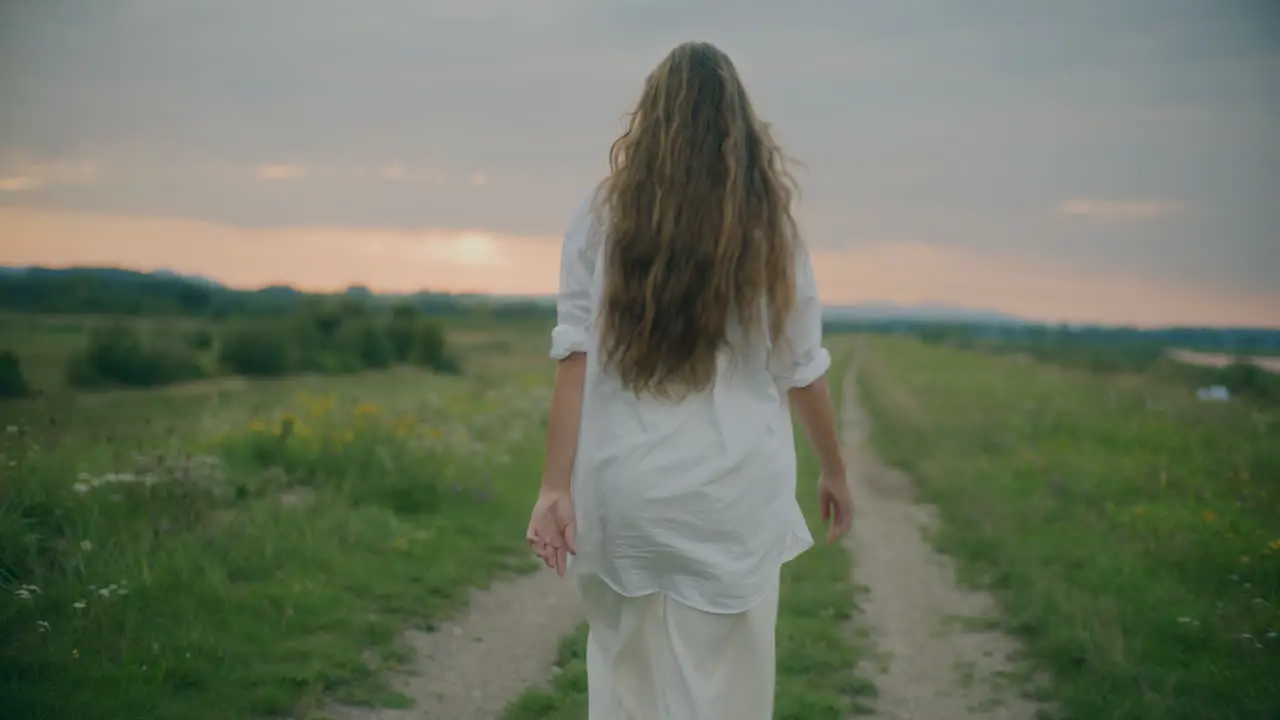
[{"x": 1088, "y": 161}]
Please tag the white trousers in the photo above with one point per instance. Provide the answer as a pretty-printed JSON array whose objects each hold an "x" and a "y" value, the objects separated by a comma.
[{"x": 654, "y": 658}]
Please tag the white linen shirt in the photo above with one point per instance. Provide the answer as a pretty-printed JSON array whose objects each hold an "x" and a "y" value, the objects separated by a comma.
[{"x": 695, "y": 498}]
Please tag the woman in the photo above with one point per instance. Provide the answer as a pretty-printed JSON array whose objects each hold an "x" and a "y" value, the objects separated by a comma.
[{"x": 688, "y": 322}]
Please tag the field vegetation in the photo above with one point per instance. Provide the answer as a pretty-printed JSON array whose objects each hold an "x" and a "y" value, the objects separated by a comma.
[
  {"x": 254, "y": 548},
  {"x": 1132, "y": 532}
]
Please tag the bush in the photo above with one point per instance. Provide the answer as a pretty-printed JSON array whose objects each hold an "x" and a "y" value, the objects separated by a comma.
[
  {"x": 200, "y": 339},
  {"x": 401, "y": 331},
  {"x": 366, "y": 342},
  {"x": 258, "y": 349},
  {"x": 428, "y": 346},
  {"x": 117, "y": 354},
  {"x": 334, "y": 339},
  {"x": 1245, "y": 378},
  {"x": 12, "y": 382}
]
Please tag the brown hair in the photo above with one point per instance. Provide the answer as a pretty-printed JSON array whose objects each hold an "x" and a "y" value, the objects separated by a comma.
[{"x": 699, "y": 226}]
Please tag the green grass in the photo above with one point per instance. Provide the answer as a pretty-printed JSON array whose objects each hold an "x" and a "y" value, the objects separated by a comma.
[
  {"x": 1132, "y": 533},
  {"x": 817, "y": 650},
  {"x": 290, "y": 532}
]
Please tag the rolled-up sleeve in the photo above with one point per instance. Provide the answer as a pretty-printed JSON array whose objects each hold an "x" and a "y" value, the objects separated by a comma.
[
  {"x": 573, "y": 303},
  {"x": 800, "y": 359}
]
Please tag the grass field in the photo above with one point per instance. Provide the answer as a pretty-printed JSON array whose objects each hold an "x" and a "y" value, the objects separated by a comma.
[
  {"x": 817, "y": 648},
  {"x": 234, "y": 548},
  {"x": 1132, "y": 532}
]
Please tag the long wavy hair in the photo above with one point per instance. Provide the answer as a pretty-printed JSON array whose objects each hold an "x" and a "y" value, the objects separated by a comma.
[{"x": 699, "y": 227}]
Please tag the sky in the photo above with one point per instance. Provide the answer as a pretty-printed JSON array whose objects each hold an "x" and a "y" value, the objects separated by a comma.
[{"x": 1094, "y": 160}]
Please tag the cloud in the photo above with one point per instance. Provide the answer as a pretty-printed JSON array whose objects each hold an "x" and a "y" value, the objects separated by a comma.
[
  {"x": 15, "y": 183},
  {"x": 1114, "y": 209},
  {"x": 19, "y": 172},
  {"x": 281, "y": 172}
]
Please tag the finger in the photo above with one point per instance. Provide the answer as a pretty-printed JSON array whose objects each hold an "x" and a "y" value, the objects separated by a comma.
[
  {"x": 846, "y": 516},
  {"x": 571, "y": 537},
  {"x": 561, "y": 558},
  {"x": 838, "y": 518}
]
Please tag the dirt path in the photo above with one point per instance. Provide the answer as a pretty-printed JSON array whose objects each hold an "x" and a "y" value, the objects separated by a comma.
[
  {"x": 934, "y": 661},
  {"x": 476, "y": 664}
]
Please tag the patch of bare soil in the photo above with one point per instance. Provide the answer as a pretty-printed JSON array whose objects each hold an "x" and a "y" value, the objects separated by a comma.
[{"x": 474, "y": 665}]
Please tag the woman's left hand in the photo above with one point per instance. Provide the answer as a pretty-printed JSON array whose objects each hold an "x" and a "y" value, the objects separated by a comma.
[{"x": 552, "y": 529}]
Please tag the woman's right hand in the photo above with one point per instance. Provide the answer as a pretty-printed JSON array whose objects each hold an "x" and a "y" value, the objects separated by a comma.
[
  {"x": 836, "y": 502},
  {"x": 552, "y": 529}
]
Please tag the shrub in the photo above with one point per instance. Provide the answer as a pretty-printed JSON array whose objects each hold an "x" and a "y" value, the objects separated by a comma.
[
  {"x": 200, "y": 339},
  {"x": 258, "y": 349},
  {"x": 1245, "y": 378},
  {"x": 428, "y": 345},
  {"x": 12, "y": 382},
  {"x": 364, "y": 340},
  {"x": 401, "y": 331},
  {"x": 117, "y": 354}
]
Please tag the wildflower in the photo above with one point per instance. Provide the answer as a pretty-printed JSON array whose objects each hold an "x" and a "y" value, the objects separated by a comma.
[
  {"x": 43, "y": 626},
  {"x": 86, "y": 545},
  {"x": 81, "y": 487},
  {"x": 75, "y": 653},
  {"x": 1274, "y": 544},
  {"x": 79, "y": 604},
  {"x": 12, "y": 429}
]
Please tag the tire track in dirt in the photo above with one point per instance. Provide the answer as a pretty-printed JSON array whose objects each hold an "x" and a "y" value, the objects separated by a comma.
[
  {"x": 474, "y": 665},
  {"x": 936, "y": 656}
]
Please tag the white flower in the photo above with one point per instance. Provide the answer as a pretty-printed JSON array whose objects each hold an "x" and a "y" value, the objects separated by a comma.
[
  {"x": 82, "y": 488},
  {"x": 86, "y": 545},
  {"x": 43, "y": 626},
  {"x": 12, "y": 429},
  {"x": 79, "y": 604}
]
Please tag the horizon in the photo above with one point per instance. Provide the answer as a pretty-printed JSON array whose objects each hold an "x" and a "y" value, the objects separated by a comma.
[
  {"x": 924, "y": 308},
  {"x": 1081, "y": 163}
]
